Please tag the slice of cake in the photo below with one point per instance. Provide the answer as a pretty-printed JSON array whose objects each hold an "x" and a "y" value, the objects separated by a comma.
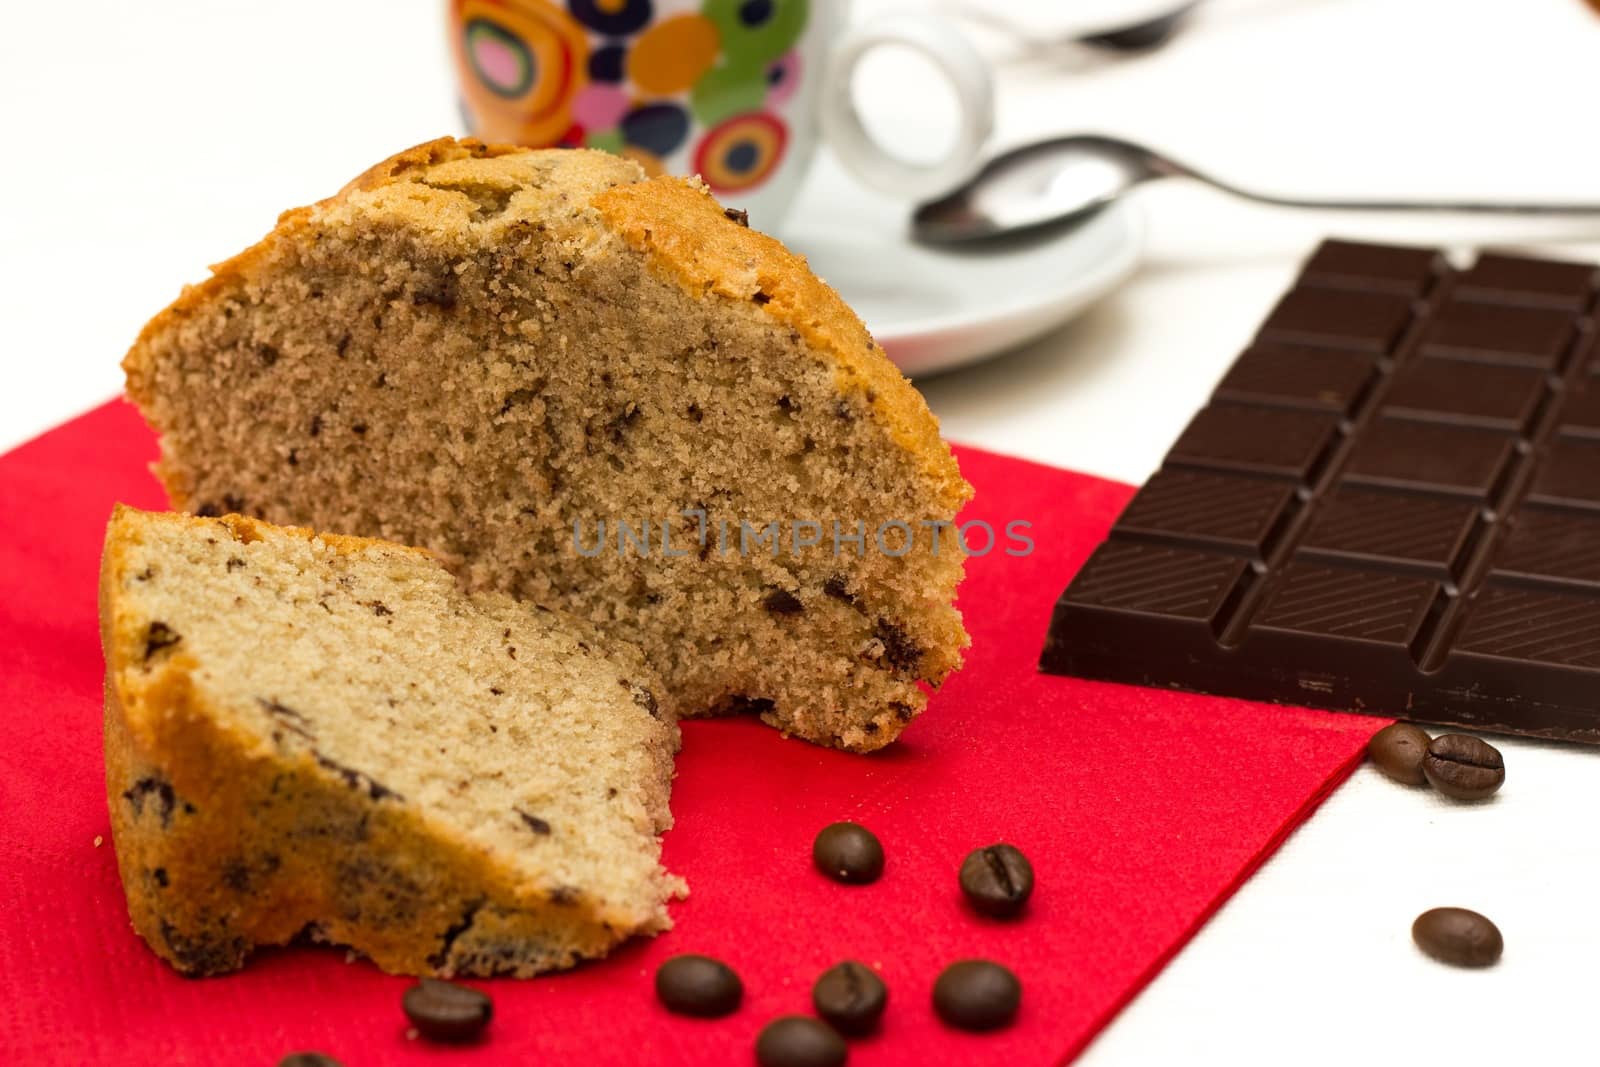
[
  {"x": 324, "y": 737},
  {"x": 591, "y": 391}
]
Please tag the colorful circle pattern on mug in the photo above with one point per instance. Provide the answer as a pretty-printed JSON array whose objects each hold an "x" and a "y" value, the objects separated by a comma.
[{"x": 612, "y": 75}]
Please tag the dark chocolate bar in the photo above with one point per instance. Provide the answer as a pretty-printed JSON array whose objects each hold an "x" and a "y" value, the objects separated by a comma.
[{"x": 1390, "y": 505}]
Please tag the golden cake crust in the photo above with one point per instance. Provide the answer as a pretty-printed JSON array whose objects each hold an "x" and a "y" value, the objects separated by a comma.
[{"x": 680, "y": 227}]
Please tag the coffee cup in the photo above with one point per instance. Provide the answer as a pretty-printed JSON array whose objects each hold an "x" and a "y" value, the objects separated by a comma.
[{"x": 740, "y": 92}]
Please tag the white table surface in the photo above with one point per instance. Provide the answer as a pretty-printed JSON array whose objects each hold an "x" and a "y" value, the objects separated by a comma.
[{"x": 144, "y": 140}]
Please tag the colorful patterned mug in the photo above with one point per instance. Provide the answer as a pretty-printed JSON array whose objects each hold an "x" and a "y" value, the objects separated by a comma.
[{"x": 737, "y": 91}]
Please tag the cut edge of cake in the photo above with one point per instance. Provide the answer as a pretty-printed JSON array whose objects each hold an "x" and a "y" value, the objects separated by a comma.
[{"x": 238, "y": 827}]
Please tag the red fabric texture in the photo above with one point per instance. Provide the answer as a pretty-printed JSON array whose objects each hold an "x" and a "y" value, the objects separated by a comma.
[{"x": 1142, "y": 810}]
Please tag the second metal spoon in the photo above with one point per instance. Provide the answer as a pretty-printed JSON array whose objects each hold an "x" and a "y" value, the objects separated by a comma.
[{"x": 1068, "y": 178}]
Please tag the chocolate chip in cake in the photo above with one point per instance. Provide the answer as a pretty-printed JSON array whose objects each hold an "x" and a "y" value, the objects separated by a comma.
[
  {"x": 997, "y": 881},
  {"x": 741, "y": 704},
  {"x": 288, "y": 718},
  {"x": 851, "y": 997},
  {"x": 977, "y": 995},
  {"x": 848, "y": 852},
  {"x": 159, "y": 637},
  {"x": 782, "y": 602},
  {"x": 641, "y": 696},
  {"x": 1457, "y": 936},
  {"x": 838, "y": 587},
  {"x": 698, "y": 985},
  {"x": 737, "y": 214},
  {"x": 761, "y": 297},
  {"x": 267, "y": 354},
  {"x": 197, "y": 954},
  {"x": 620, "y": 423},
  {"x": 444, "y": 1011},
  {"x": 901, "y": 652},
  {"x": 439, "y": 291},
  {"x": 516, "y": 398},
  {"x": 1398, "y": 750},
  {"x": 141, "y": 790},
  {"x": 796, "y": 1041},
  {"x": 1463, "y": 767},
  {"x": 536, "y": 824},
  {"x": 356, "y": 779}
]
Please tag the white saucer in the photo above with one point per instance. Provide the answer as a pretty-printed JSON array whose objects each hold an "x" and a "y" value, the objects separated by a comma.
[{"x": 934, "y": 310}]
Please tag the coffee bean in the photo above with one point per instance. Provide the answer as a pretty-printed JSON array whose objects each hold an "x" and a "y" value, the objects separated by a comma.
[
  {"x": 1464, "y": 767},
  {"x": 1458, "y": 937},
  {"x": 997, "y": 880},
  {"x": 308, "y": 1059},
  {"x": 698, "y": 985},
  {"x": 851, "y": 996},
  {"x": 796, "y": 1041},
  {"x": 444, "y": 1011},
  {"x": 977, "y": 995},
  {"x": 1397, "y": 750},
  {"x": 847, "y": 852}
]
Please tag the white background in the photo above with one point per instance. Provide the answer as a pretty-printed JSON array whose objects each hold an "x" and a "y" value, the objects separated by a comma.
[{"x": 143, "y": 140}]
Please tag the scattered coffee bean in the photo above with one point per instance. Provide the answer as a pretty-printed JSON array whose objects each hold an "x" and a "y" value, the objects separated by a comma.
[
  {"x": 308, "y": 1059},
  {"x": 1397, "y": 750},
  {"x": 851, "y": 997},
  {"x": 1464, "y": 767},
  {"x": 796, "y": 1041},
  {"x": 698, "y": 985},
  {"x": 847, "y": 852},
  {"x": 1458, "y": 937},
  {"x": 444, "y": 1011},
  {"x": 977, "y": 995},
  {"x": 997, "y": 880}
]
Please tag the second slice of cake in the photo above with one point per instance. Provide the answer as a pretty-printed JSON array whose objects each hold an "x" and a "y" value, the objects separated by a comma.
[{"x": 323, "y": 737}]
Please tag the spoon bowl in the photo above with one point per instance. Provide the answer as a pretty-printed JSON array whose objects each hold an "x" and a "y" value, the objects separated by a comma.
[{"x": 1041, "y": 185}]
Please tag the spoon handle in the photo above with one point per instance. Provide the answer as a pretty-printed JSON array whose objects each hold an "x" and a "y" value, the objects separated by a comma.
[{"x": 1456, "y": 207}]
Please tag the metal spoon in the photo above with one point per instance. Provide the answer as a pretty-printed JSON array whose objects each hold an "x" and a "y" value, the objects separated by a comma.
[
  {"x": 1142, "y": 36},
  {"x": 1068, "y": 178}
]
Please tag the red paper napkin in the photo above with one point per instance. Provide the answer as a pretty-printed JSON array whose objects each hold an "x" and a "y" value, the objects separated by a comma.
[{"x": 1142, "y": 810}]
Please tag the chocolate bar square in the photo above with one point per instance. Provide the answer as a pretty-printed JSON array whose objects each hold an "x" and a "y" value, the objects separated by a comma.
[
  {"x": 1430, "y": 456},
  {"x": 1552, "y": 547},
  {"x": 1469, "y": 394},
  {"x": 1569, "y": 476},
  {"x": 1299, "y": 376},
  {"x": 1580, "y": 416},
  {"x": 1168, "y": 583},
  {"x": 1256, "y": 440},
  {"x": 1387, "y": 268},
  {"x": 1497, "y": 278},
  {"x": 1364, "y": 321},
  {"x": 1394, "y": 531},
  {"x": 1533, "y": 337},
  {"x": 1217, "y": 512}
]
